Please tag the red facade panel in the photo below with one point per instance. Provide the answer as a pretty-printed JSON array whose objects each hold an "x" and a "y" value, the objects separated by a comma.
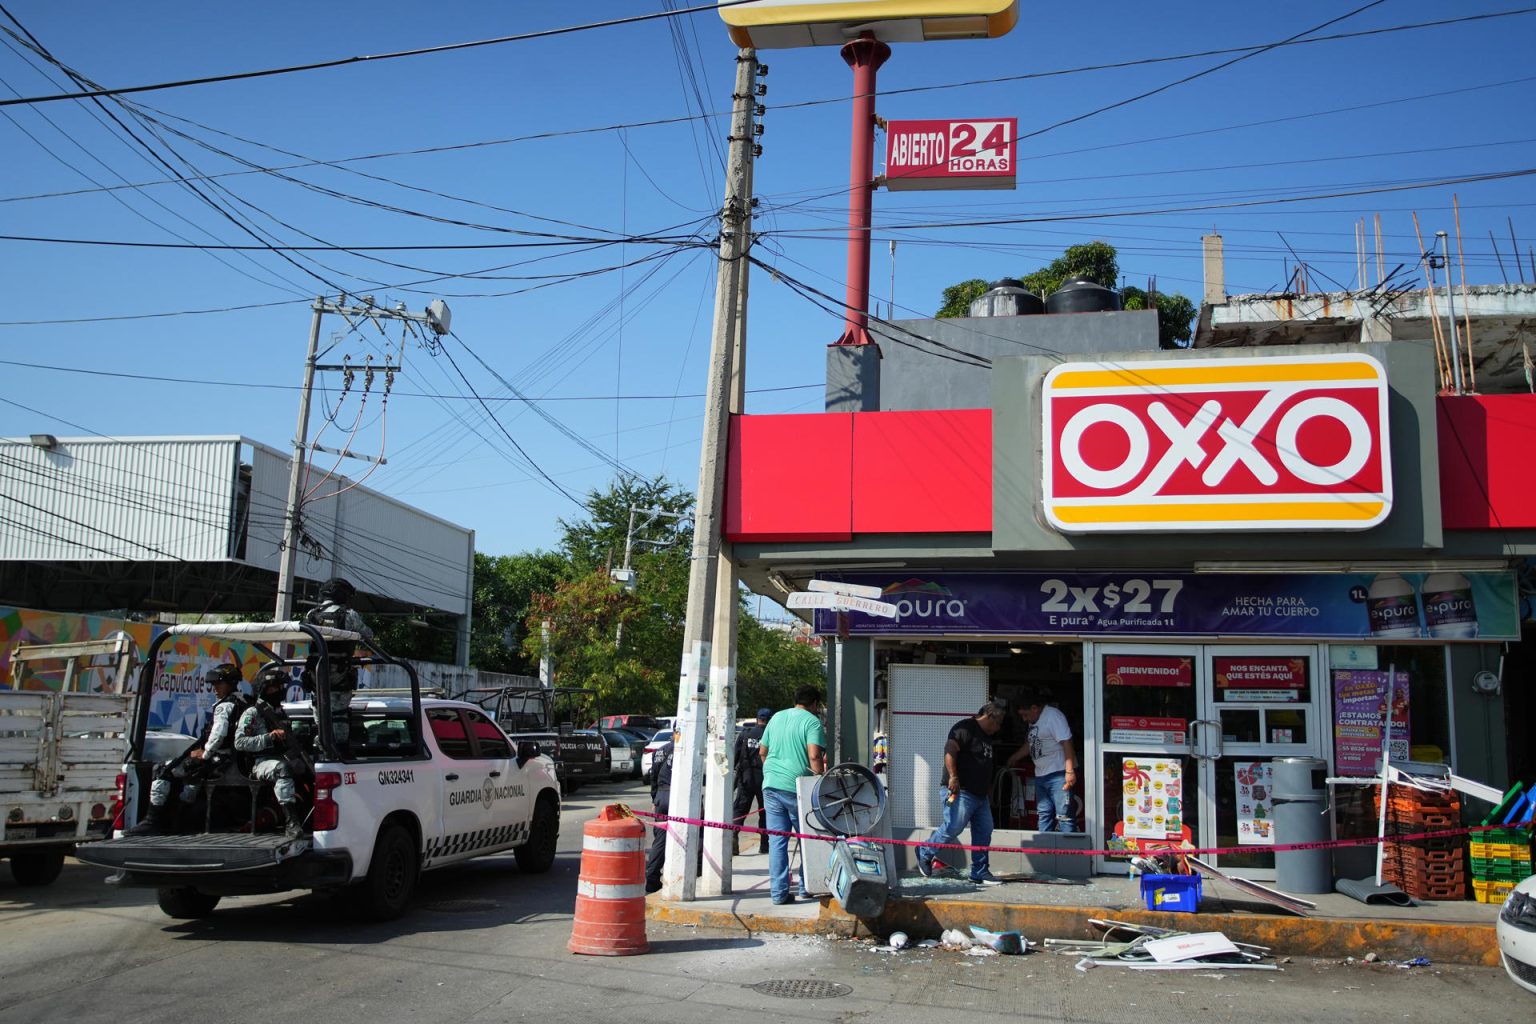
[
  {"x": 922, "y": 472},
  {"x": 790, "y": 478},
  {"x": 1485, "y": 444},
  {"x": 829, "y": 476}
]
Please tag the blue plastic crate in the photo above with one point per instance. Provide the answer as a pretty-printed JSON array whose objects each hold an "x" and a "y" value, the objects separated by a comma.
[{"x": 1179, "y": 894}]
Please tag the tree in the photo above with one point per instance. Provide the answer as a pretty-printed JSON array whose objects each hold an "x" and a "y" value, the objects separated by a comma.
[
  {"x": 583, "y": 616},
  {"x": 771, "y": 664},
  {"x": 1174, "y": 314},
  {"x": 1095, "y": 260},
  {"x": 599, "y": 540},
  {"x": 626, "y": 644},
  {"x": 1098, "y": 261},
  {"x": 957, "y": 297},
  {"x": 505, "y": 586},
  {"x": 422, "y": 636}
]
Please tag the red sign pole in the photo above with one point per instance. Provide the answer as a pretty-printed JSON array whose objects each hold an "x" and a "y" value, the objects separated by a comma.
[{"x": 865, "y": 55}]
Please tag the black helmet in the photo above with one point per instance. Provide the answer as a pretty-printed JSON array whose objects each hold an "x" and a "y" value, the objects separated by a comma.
[
  {"x": 338, "y": 590},
  {"x": 223, "y": 673},
  {"x": 271, "y": 676}
]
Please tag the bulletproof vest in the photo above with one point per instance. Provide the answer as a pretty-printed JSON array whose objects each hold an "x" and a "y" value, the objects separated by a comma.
[
  {"x": 749, "y": 765},
  {"x": 328, "y": 614},
  {"x": 343, "y": 676},
  {"x": 228, "y": 744},
  {"x": 661, "y": 769}
]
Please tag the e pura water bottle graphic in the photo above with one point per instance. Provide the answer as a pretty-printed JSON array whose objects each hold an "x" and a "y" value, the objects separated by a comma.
[
  {"x": 1449, "y": 609},
  {"x": 1392, "y": 606}
]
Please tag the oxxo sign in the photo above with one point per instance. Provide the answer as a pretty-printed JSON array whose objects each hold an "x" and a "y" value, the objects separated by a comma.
[
  {"x": 1289, "y": 443},
  {"x": 951, "y": 154}
]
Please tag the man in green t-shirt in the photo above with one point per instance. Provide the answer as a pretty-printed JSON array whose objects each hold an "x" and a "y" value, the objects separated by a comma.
[{"x": 793, "y": 746}]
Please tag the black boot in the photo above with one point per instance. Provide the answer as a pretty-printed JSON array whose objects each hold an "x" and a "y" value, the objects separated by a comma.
[
  {"x": 293, "y": 820},
  {"x": 160, "y": 821}
]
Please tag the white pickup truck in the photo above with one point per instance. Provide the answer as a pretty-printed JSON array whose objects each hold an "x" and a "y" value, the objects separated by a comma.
[
  {"x": 61, "y": 751},
  {"x": 419, "y": 783}
]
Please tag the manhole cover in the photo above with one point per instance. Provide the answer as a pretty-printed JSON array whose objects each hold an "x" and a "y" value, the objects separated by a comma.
[
  {"x": 461, "y": 906},
  {"x": 801, "y": 988}
]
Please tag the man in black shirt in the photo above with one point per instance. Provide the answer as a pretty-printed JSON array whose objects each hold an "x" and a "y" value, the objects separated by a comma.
[{"x": 967, "y": 791}]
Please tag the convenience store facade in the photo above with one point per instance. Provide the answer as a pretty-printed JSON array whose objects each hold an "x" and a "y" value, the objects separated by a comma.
[{"x": 1209, "y": 559}]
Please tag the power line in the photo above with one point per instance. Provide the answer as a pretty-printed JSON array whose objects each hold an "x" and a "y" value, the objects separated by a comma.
[
  {"x": 34, "y": 44},
  {"x": 343, "y": 61},
  {"x": 1197, "y": 74},
  {"x": 1050, "y": 218},
  {"x": 1171, "y": 58},
  {"x": 526, "y": 457},
  {"x": 682, "y": 240},
  {"x": 663, "y": 122}
]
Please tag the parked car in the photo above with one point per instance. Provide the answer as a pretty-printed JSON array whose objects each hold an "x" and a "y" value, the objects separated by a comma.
[
  {"x": 545, "y": 716},
  {"x": 655, "y": 743},
  {"x": 1516, "y": 931},
  {"x": 623, "y": 754}
]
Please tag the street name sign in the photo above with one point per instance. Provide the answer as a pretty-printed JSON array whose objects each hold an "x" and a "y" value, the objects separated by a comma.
[
  {"x": 840, "y": 603},
  {"x": 839, "y": 587}
]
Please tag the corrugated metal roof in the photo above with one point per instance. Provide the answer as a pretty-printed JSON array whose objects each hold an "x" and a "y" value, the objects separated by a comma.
[
  {"x": 383, "y": 546},
  {"x": 109, "y": 499},
  {"x": 147, "y": 499}
]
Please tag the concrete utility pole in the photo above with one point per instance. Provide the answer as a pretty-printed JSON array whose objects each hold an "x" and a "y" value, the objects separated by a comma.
[
  {"x": 437, "y": 317},
  {"x": 720, "y": 767},
  {"x": 290, "y": 551},
  {"x": 678, "y": 880}
]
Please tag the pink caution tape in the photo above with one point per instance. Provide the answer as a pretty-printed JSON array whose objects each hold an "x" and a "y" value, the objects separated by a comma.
[{"x": 1326, "y": 844}]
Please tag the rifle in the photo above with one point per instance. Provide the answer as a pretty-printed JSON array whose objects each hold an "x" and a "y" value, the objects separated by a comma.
[
  {"x": 298, "y": 761},
  {"x": 201, "y": 743}
]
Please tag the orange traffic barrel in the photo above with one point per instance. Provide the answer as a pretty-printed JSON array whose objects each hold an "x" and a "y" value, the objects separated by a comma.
[{"x": 610, "y": 894}]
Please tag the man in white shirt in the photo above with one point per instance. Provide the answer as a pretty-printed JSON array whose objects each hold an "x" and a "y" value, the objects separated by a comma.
[{"x": 1055, "y": 757}]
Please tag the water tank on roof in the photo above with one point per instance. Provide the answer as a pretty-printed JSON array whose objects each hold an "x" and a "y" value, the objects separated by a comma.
[
  {"x": 1007, "y": 297},
  {"x": 1082, "y": 295}
]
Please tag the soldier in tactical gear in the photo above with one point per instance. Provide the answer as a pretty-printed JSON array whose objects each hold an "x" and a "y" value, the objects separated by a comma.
[
  {"x": 749, "y": 779},
  {"x": 335, "y": 610},
  {"x": 265, "y": 732},
  {"x": 204, "y": 759}
]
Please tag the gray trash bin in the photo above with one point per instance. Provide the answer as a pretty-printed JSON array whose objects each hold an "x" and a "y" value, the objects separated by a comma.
[{"x": 1301, "y": 816}]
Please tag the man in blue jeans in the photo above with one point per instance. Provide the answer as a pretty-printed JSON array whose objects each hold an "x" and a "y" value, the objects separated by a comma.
[
  {"x": 1050, "y": 747},
  {"x": 968, "y": 791},
  {"x": 793, "y": 746}
]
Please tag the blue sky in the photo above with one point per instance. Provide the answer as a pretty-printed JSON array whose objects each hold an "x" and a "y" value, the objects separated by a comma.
[{"x": 1309, "y": 120}]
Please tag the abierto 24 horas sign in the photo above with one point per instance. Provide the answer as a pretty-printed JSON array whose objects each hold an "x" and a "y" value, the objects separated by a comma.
[{"x": 951, "y": 154}]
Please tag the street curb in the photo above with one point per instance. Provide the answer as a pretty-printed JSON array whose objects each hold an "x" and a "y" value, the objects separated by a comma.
[{"x": 1329, "y": 938}]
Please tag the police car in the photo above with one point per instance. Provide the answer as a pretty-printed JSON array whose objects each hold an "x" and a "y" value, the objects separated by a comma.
[{"x": 418, "y": 783}]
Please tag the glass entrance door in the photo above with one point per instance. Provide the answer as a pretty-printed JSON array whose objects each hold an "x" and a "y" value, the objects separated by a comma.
[
  {"x": 1144, "y": 733},
  {"x": 1183, "y": 736},
  {"x": 1259, "y": 703}
]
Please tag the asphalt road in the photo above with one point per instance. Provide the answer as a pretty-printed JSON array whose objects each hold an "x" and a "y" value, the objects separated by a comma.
[{"x": 486, "y": 944}]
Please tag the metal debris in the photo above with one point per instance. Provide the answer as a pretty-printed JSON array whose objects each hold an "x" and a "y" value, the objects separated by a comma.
[{"x": 1126, "y": 945}]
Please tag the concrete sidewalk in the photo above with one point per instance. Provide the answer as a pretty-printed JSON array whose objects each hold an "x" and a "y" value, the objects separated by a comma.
[{"x": 1459, "y": 932}]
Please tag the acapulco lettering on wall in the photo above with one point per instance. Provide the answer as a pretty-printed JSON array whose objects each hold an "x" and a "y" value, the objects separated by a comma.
[{"x": 1285, "y": 443}]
